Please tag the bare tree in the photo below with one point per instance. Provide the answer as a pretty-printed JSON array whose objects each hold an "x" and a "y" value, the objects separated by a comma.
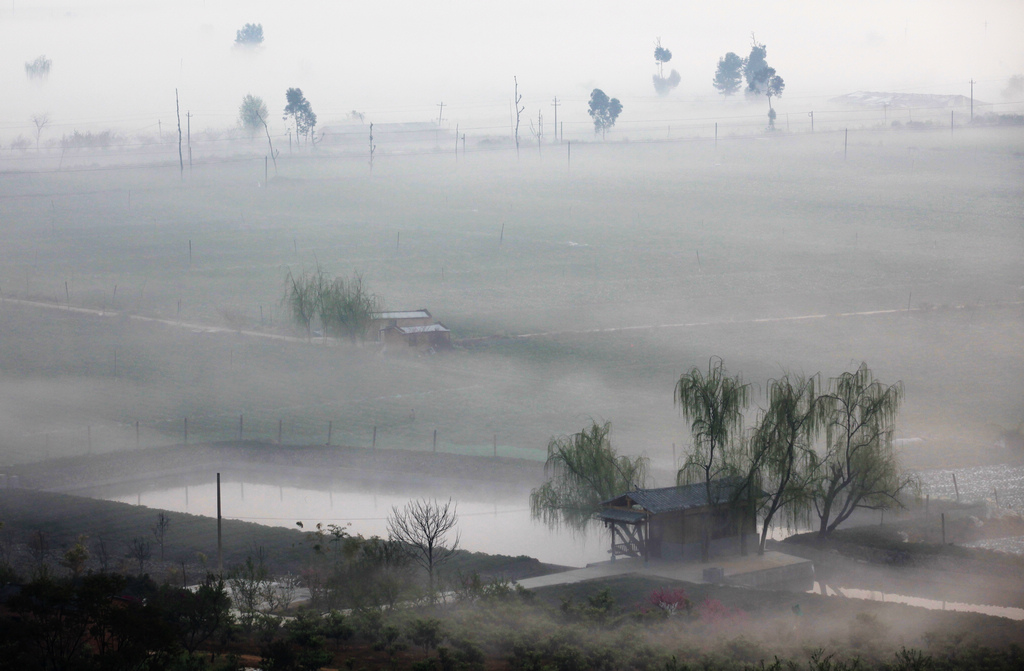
[
  {"x": 423, "y": 528},
  {"x": 141, "y": 551},
  {"x": 41, "y": 121},
  {"x": 160, "y": 531},
  {"x": 519, "y": 110}
]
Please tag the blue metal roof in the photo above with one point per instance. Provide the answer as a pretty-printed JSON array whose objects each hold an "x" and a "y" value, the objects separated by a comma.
[{"x": 671, "y": 499}]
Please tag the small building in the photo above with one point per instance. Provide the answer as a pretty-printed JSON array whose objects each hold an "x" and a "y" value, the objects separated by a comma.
[
  {"x": 436, "y": 336},
  {"x": 669, "y": 522},
  {"x": 383, "y": 320}
]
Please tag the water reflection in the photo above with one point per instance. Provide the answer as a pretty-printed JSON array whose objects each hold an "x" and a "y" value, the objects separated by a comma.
[
  {"x": 931, "y": 604},
  {"x": 493, "y": 518}
]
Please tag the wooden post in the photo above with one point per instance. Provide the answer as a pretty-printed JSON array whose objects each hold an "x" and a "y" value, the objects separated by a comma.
[
  {"x": 330, "y": 425},
  {"x": 956, "y": 488},
  {"x": 280, "y": 425},
  {"x": 220, "y": 546},
  {"x": 181, "y": 161},
  {"x": 435, "y": 440},
  {"x": 374, "y": 444}
]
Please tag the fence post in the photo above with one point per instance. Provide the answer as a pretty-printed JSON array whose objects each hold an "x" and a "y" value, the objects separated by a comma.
[
  {"x": 435, "y": 440},
  {"x": 943, "y": 528},
  {"x": 495, "y": 444},
  {"x": 956, "y": 488},
  {"x": 88, "y": 437},
  {"x": 374, "y": 444}
]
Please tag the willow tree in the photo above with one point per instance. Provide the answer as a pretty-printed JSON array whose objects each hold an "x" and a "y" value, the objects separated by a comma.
[
  {"x": 347, "y": 307},
  {"x": 583, "y": 470},
  {"x": 302, "y": 296},
  {"x": 780, "y": 452},
  {"x": 713, "y": 403},
  {"x": 859, "y": 467}
]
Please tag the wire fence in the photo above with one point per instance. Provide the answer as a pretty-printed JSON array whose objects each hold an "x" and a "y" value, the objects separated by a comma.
[{"x": 284, "y": 431}]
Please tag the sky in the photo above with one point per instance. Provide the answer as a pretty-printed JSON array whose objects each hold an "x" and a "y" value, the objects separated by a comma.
[{"x": 116, "y": 63}]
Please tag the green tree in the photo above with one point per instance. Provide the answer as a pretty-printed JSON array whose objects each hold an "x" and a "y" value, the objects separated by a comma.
[
  {"x": 754, "y": 68},
  {"x": 662, "y": 84},
  {"x": 347, "y": 307},
  {"x": 252, "y": 113},
  {"x": 729, "y": 75},
  {"x": 303, "y": 294},
  {"x": 859, "y": 467},
  {"x": 583, "y": 470},
  {"x": 780, "y": 452},
  {"x": 713, "y": 403},
  {"x": 301, "y": 112},
  {"x": 249, "y": 35},
  {"x": 603, "y": 110}
]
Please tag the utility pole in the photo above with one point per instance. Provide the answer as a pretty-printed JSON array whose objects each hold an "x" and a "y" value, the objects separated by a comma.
[
  {"x": 972, "y": 101},
  {"x": 519, "y": 110},
  {"x": 188, "y": 117},
  {"x": 220, "y": 546},
  {"x": 441, "y": 111},
  {"x": 555, "y": 105}
]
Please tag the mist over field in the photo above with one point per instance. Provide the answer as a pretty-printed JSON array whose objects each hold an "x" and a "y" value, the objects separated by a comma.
[{"x": 142, "y": 287}]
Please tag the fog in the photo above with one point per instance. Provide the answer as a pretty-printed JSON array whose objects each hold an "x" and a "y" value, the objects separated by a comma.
[
  {"x": 578, "y": 284},
  {"x": 116, "y": 64}
]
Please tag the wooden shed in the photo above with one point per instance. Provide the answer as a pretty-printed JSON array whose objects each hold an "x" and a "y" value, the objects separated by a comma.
[{"x": 668, "y": 523}]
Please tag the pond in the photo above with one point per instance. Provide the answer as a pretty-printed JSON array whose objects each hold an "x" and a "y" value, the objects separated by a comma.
[{"x": 493, "y": 518}]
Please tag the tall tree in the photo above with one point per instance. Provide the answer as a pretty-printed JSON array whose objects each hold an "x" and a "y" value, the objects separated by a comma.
[
  {"x": 713, "y": 403},
  {"x": 754, "y": 67},
  {"x": 583, "y": 470},
  {"x": 424, "y": 528},
  {"x": 859, "y": 467},
  {"x": 301, "y": 112},
  {"x": 249, "y": 35},
  {"x": 662, "y": 84},
  {"x": 729, "y": 75},
  {"x": 603, "y": 110},
  {"x": 780, "y": 453}
]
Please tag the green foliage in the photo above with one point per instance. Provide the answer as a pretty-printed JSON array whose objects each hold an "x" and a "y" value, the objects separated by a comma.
[
  {"x": 779, "y": 454},
  {"x": 713, "y": 403},
  {"x": 198, "y": 615},
  {"x": 583, "y": 470},
  {"x": 249, "y": 35},
  {"x": 426, "y": 633},
  {"x": 76, "y": 556},
  {"x": 729, "y": 75},
  {"x": 252, "y": 114},
  {"x": 603, "y": 110},
  {"x": 343, "y": 307},
  {"x": 301, "y": 112},
  {"x": 859, "y": 467}
]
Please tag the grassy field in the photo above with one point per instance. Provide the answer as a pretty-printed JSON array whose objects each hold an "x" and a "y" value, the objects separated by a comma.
[{"x": 607, "y": 279}]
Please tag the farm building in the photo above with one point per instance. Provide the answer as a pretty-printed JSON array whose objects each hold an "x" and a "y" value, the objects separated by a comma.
[
  {"x": 668, "y": 523},
  {"x": 428, "y": 335},
  {"x": 414, "y": 328}
]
